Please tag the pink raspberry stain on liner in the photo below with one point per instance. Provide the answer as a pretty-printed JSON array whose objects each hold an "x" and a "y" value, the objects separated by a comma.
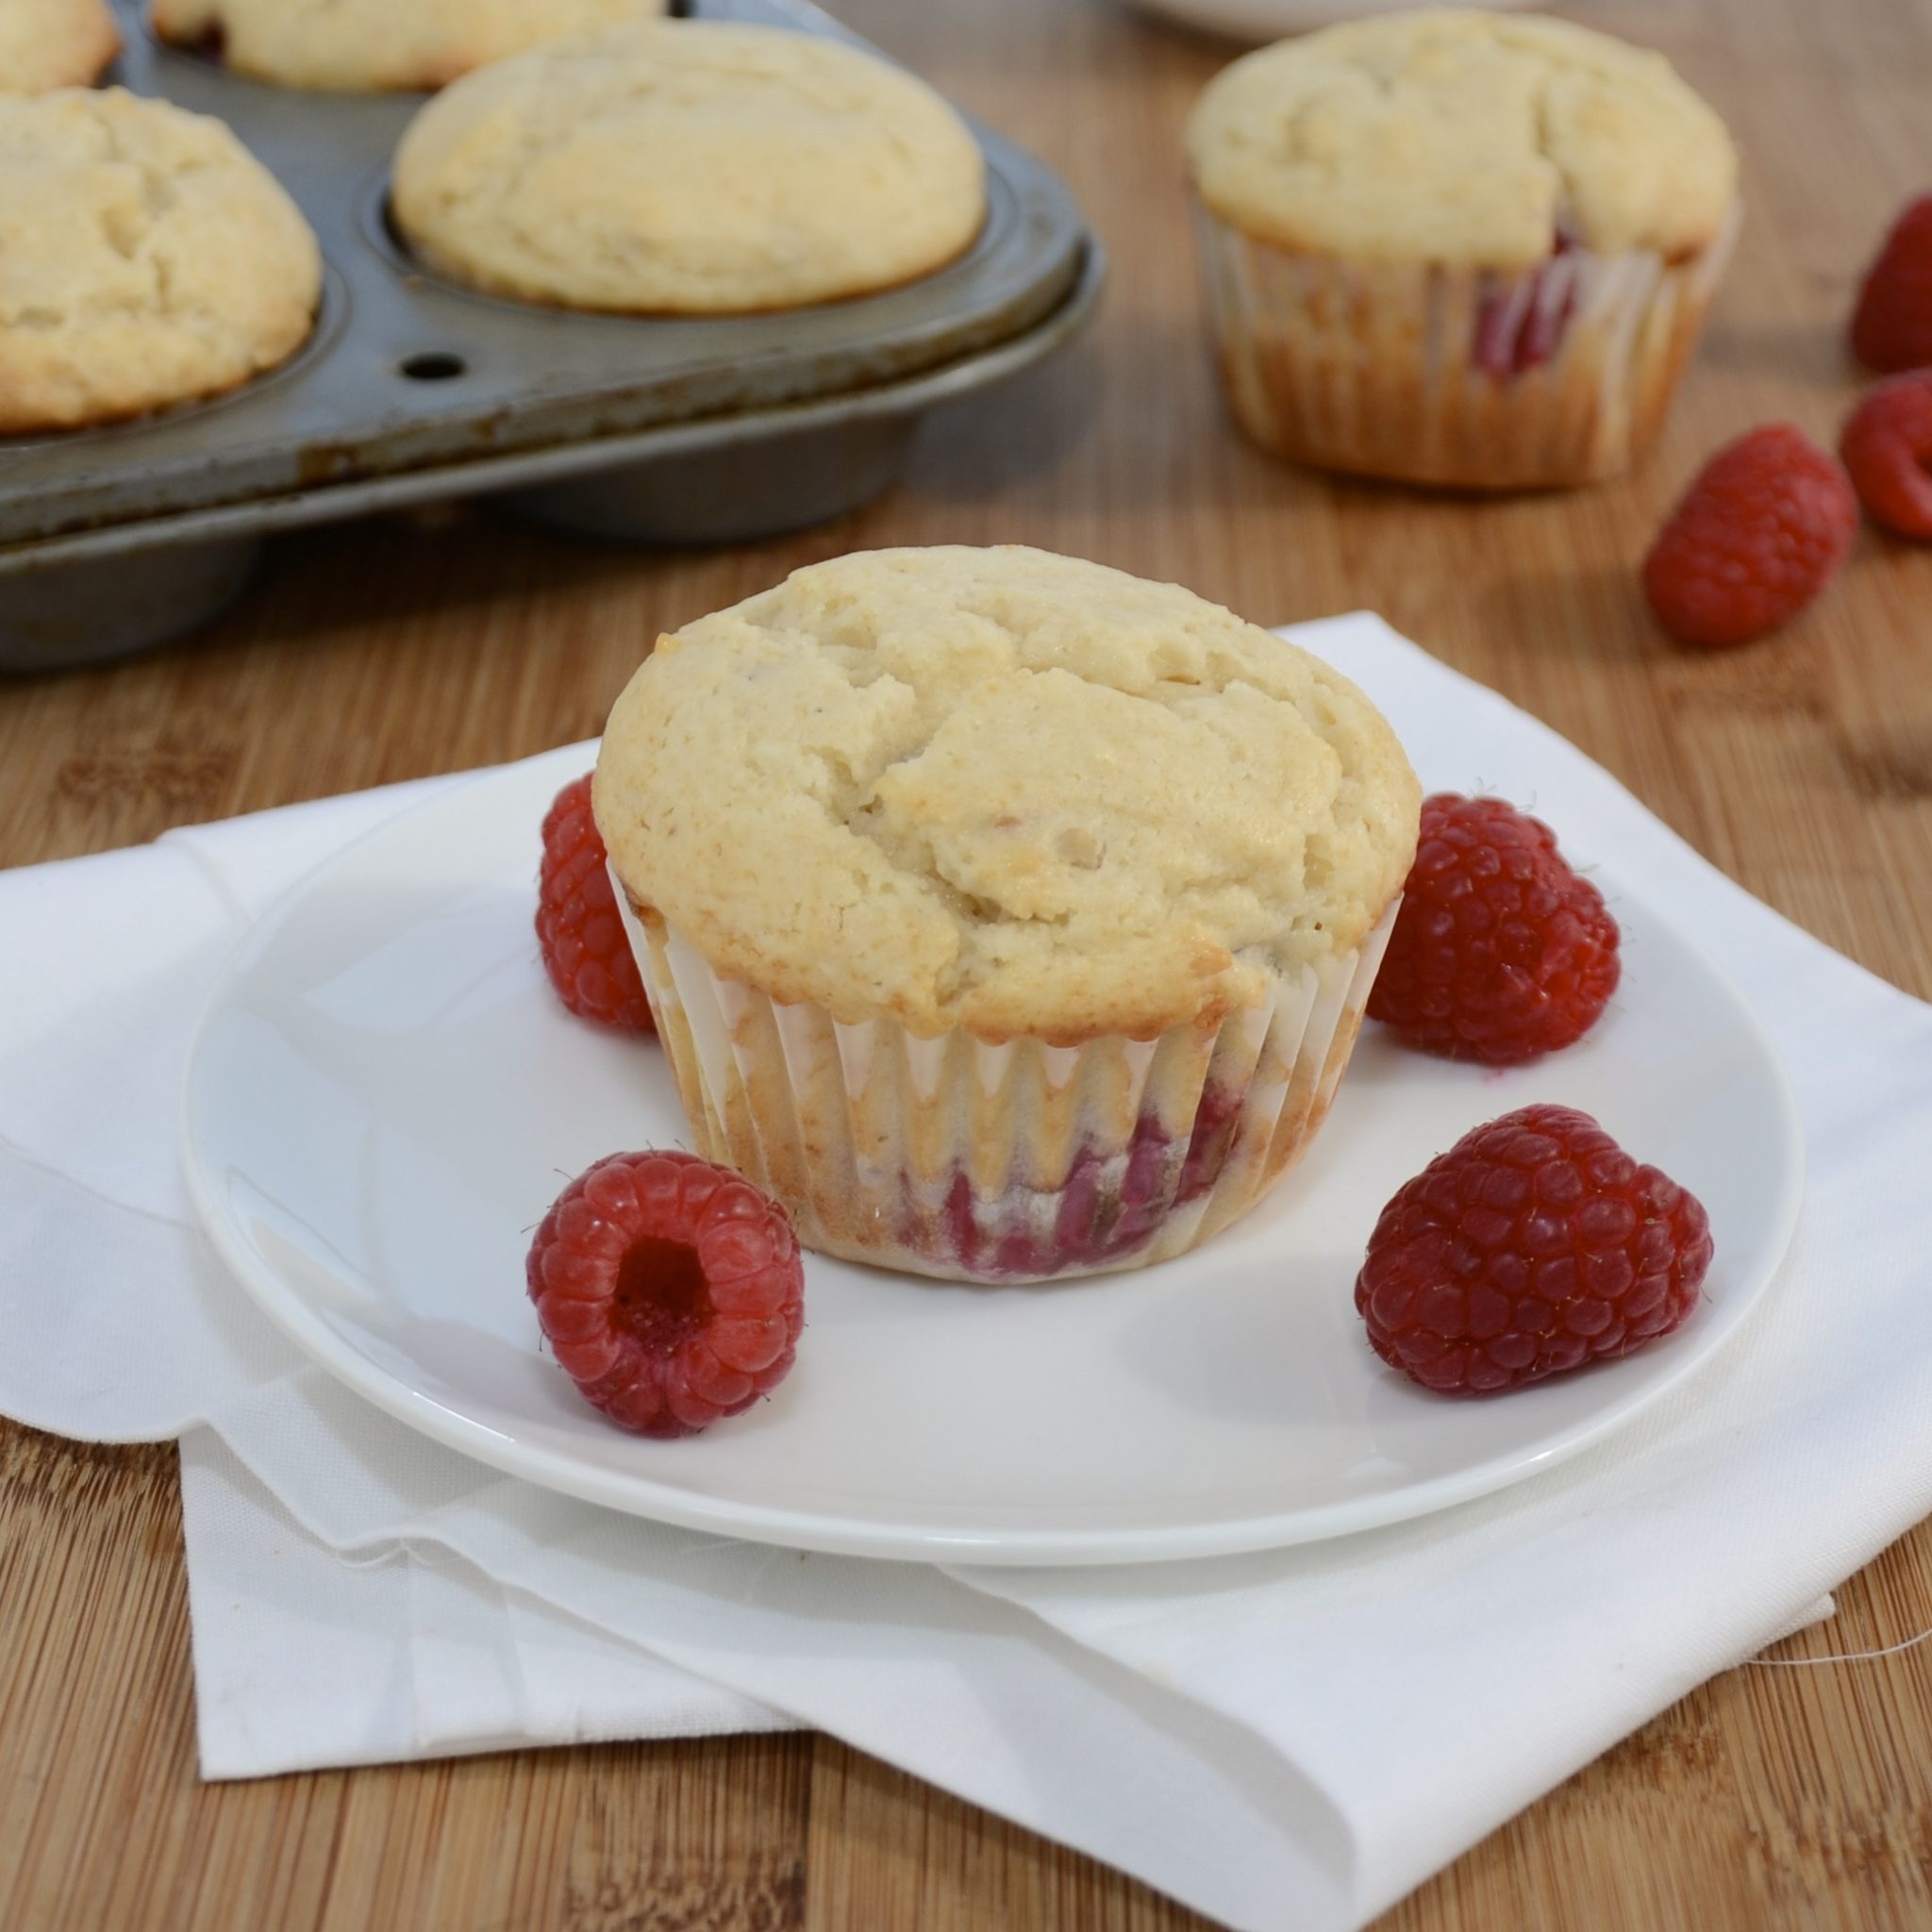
[
  {"x": 1521, "y": 325},
  {"x": 1108, "y": 1208}
]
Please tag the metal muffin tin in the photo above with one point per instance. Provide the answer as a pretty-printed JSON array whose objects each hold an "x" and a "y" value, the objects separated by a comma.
[{"x": 647, "y": 429}]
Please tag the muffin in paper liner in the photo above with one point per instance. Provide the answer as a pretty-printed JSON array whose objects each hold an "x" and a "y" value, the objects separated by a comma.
[
  {"x": 1017, "y": 1162},
  {"x": 1474, "y": 378}
]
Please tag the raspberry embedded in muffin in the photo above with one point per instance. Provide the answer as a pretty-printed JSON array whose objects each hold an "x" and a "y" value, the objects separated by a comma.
[
  {"x": 1109, "y": 1207},
  {"x": 1521, "y": 325}
]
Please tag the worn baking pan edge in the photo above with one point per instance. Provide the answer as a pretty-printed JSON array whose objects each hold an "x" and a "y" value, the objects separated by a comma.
[{"x": 332, "y": 503}]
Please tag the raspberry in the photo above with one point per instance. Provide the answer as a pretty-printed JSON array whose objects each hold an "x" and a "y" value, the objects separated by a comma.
[
  {"x": 1500, "y": 951},
  {"x": 1759, "y": 533},
  {"x": 1533, "y": 1245},
  {"x": 1887, "y": 446},
  {"x": 1891, "y": 327},
  {"x": 585, "y": 951},
  {"x": 670, "y": 1288}
]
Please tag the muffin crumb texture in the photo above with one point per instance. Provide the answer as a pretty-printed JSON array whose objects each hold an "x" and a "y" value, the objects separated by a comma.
[
  {"x": 356, "y": 46},
  {"x": 146, "y": 258},
  {"x": 688, "y": 167},
  {"x": 1002, "y": 791},
  {"x": 1462, "y": 138},
  {"x": 50, "y": 44}
]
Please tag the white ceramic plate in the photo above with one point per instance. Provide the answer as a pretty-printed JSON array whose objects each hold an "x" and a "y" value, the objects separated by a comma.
[
  {"x": 384, "y": 1098},
  {"x": 1269, "y": 20}
]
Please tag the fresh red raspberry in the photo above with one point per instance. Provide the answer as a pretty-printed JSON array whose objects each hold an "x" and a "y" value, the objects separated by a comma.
[
  {"x": 1533, "y": 1245},
  {"x": 585, "y": 951},
  {"x": 1891, "y": 327},
  {"x": 1887, "y": 446},
  {"x": 1500, "y": 953},
  {"x": 670, "y": 1288},
  {"x": 1759, "y": 533}
]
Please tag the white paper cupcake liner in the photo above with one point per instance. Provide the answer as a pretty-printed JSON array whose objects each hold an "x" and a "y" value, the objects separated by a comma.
[
  {"x": 1471, "y": 378},
  {"x": 1014, "y": 1162}
]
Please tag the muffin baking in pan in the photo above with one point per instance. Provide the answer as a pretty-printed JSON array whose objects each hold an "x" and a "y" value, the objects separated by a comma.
[
  {"x": 50, "y": 44},
  {"x": 690, "y": 168},
  {"x": 358, "y": 46},
  {"x": 149, "y": 260},
  {"x": 649, "y": 416}
]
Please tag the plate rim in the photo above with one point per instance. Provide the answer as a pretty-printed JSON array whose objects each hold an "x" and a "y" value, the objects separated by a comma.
[{"x": 650, "y": 1499}]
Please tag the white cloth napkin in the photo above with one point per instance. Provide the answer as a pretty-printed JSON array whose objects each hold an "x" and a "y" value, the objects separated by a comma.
[{"x": 1283, "y": 1741}]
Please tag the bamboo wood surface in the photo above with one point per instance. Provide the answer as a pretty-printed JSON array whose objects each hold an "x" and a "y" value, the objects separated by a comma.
[{"x": 1769, "y": 1799}]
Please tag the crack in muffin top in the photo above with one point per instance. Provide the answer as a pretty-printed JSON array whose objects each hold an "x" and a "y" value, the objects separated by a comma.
[
  {"x": 1002, "y": 791},
  {"x": 1462, "y": 138}
]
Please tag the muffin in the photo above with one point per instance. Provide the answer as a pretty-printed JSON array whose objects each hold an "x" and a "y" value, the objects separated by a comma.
[
  {"x": 146, "y": 258},
  {"x": 1458, "y": 247},
  {"x": 366, "y": 46},
  {"x": 50, "y": 44},
  {"x": 1006, "y": 916},
  {"x": 687, "y": 168}
]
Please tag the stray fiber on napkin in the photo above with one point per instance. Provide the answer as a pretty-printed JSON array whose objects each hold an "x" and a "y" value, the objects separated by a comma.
[{"x": 1290, "y": 1739}]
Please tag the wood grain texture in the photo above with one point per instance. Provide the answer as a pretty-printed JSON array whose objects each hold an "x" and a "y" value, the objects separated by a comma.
[{"x": 1769, "y": 1799}]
